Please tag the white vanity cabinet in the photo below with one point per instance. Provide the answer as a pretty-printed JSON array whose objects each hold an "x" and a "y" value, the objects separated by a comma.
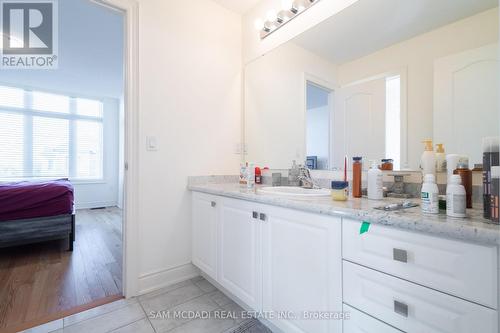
[
  {"x": 240, "y": 251},
  {"x": 283, "y": 262},
  {"x": 204, "y": 224},
  {"x": 299, "y": 267},
  {"x": 419, "y": 283},
  {"x": 302, "y": 269}
]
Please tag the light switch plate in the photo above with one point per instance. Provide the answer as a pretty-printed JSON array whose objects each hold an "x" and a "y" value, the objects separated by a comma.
[{"x": 151, "y": 143}]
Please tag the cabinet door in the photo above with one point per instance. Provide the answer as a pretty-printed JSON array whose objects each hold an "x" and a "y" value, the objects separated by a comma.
[
  {"x": 302, "y": 270},
  {"x": 240, "y": 262},
  {"x": 205, "y": 233}
]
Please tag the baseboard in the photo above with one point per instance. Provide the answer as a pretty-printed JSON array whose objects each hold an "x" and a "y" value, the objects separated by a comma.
[
  {"x": 96, "y": 204},
  {"x": 163, "y": 278}
]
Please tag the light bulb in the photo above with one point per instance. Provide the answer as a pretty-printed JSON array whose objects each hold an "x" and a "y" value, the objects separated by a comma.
[
  {"x": 259, "y": 24},
  {"x": 271, "y": 16}
]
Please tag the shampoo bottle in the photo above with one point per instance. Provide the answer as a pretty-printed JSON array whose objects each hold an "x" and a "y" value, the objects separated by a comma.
[
  {"x": 375, "y": 182},
  {"x": 428, "y": 161},
  {"x": 440, "y": 158},
  {"x": 430, "y": 195}
]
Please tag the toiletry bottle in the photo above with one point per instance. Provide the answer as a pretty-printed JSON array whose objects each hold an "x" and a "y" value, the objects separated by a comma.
[
  {"x": 428, "y": 161},
  {"x": 451, "y": 164},
  {"x": 440, "y": 158},
  {"x": 250, "y": 176},
  {"x": 293, "y": 175},
  {"x": 455, "y": 197},
  {"x": 495, "y": 195},
  {"x": 491, "y": 149},
  {"x": 258, "y": 176},
  {"x": 430, "y": 195},
  {"x": 466, "y": 175},
  {"x": 375, "y": 182},
  {"x": 357, "y": 170},
  {"x": 243, "y": 173}
]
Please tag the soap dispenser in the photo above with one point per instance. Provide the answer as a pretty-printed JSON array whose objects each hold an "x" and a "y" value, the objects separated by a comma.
[
  {"x": 428, "y": 161},
  {"x": 440, "y": 158},
  {"x": 375, "y": 182}
]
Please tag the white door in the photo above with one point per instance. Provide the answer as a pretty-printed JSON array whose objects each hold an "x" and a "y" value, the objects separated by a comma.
[
  {"x": 302, "y": 270},
  {"x": 466, "y": 100},
  {"x": 359, "y": 121},
  {"x": 205, "y": 233},
  {"x": 240, "y": 262}
]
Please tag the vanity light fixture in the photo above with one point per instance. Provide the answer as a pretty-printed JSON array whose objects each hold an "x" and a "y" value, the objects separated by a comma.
[{"x": 275, "y": 20}]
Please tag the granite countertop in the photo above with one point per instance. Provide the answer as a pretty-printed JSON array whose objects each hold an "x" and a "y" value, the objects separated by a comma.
[{"x": 474, "y": 228}]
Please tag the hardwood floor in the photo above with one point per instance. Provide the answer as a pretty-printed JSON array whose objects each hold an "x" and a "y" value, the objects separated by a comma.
[{"x": 39, "y": 281}]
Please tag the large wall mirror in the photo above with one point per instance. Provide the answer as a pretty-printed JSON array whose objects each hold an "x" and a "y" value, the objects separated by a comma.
[{"x": 375, "y": 80}]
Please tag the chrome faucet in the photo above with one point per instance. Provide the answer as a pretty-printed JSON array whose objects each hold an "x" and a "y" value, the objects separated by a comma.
[{"x": 305, "y": 178}]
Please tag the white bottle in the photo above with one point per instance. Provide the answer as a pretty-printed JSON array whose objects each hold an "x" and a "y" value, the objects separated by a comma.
[
  {"x": 250, "y": 175},
  {"x": 375, "y": 182},
  {"x": 456, "y": 202},
  {"x": 428, "y": 161},
  {"x": 430, "y": 195}
]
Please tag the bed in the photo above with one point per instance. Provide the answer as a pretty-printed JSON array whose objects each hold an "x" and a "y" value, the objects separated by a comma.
[{"x": 36, "y": 211}]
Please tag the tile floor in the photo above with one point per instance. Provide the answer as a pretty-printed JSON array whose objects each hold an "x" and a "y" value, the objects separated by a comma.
[{"x": 148, "y": 313}]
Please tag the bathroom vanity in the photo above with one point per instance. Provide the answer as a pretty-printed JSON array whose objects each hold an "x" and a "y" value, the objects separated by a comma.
[{"x": 293, "y": 259}]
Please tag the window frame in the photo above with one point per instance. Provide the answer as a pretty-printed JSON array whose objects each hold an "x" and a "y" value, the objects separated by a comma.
[{"x": 72, "y": 116}]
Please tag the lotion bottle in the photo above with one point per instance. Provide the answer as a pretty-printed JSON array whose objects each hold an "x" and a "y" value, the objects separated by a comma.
[
  {"x": 375, "y": 182},
  {"x": 440, "y": 158},
  {"x": 428, "y": 161}
]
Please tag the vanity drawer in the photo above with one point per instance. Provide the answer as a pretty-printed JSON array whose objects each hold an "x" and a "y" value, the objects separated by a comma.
[
  {"x": 461, "y": 269},
  {"x": 360, "y": 322},
  {"x": 413, "y": 308}
]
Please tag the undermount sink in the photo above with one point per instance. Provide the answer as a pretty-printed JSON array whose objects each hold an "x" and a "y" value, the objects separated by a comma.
[{"x": 294, "y": 191}]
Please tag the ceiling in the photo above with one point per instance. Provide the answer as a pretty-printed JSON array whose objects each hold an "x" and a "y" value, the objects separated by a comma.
[
  {"x": 371, "y": 25},
  {"x": 238, "y": 6}
]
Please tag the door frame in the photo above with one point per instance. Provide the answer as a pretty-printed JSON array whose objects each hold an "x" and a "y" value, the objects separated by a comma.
[
  {"x": 402, "y": 72},
  {"x": 130, "y": 273},
  {"x": 328, "y": 86}
]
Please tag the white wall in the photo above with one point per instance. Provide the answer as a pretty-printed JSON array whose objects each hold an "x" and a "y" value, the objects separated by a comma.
[
  {"x": 275, "y": 119},
  {"x": 254, "y": 47},
  {"x": 190, "y": 94},
  {"x": 417, "y": 56},
  {"x": 103, "y": 193}
]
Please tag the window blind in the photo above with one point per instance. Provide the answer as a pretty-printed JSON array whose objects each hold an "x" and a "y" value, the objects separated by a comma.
[
  {"x": 50, "y": 135},
  {"x": 11, "y": 144}
]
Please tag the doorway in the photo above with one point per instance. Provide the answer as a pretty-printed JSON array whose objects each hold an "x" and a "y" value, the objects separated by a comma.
[{"x": 318, "y": 126}]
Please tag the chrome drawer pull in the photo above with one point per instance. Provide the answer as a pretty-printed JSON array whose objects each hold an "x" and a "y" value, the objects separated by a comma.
[
  {"x": 400, "y": 255},
  {"x": 255, "y": 215},
  {"x": 213, "y": 203},
  {"x": 401, "y": 308}
]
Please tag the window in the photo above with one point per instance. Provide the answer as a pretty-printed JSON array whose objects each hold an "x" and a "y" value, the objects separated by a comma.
[
  {"x": 393, "y": 120},
  {"x": 50, "y": 135}
]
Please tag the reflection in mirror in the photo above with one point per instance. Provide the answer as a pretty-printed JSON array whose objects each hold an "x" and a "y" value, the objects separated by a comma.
[
  {"x": 375, "y": 80},
  {"x": 318, "y": 111}
]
